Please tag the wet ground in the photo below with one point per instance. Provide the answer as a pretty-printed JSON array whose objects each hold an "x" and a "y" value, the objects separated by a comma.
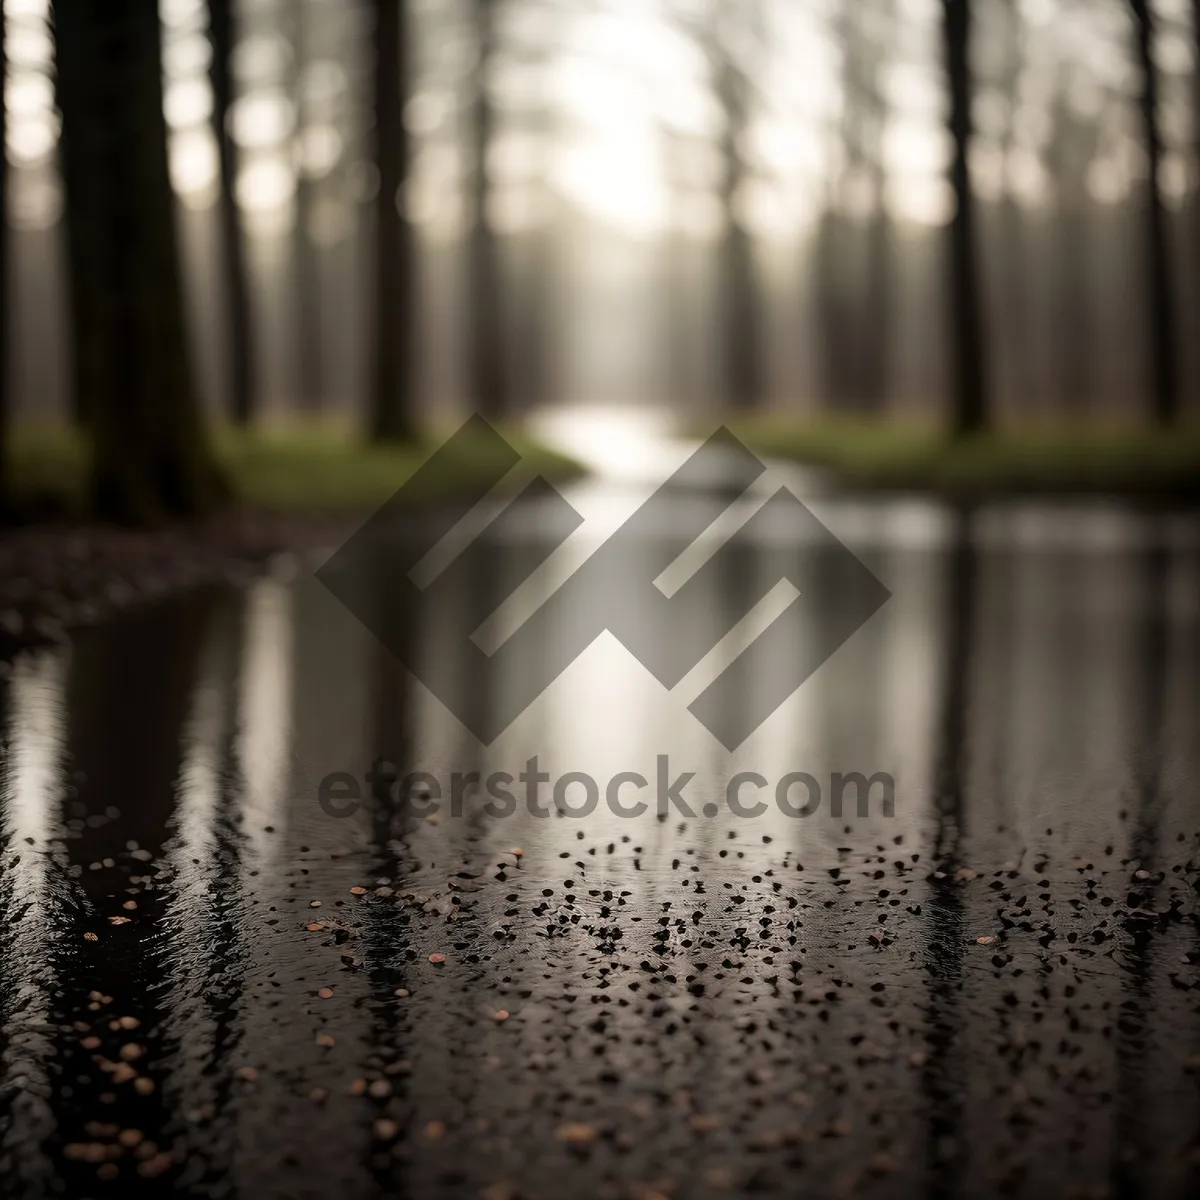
[
  {"x": 212, "y": 986},
  {"x": 56, "y": 578}
]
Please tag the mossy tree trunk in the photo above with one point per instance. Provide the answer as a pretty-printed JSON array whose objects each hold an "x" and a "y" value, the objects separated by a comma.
[{"x": 133, "y": 377}]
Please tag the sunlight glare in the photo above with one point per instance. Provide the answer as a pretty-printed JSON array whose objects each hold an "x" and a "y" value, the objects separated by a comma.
[
  {"x": 193, "y": 161},
  {"x": 616, "y": 443},
  {"x": 262, "y": 119}
]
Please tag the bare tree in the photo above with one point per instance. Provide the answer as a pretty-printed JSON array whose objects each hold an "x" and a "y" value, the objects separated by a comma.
[
  {"x": 489, "y": 382},
  {"x": 537, "y": 315},
  {"x": 1072, "y": 148},
  {"x": 1196, "y": 148},
  {"x": 306, "y": 281},
  {"x": 393, "y": 415},
  {"x": 240, "y": 340},
  {"x": 877, "y": 314},
  {"x": 4, "y": 313},
  {"x": 731, "y": 35},
  {"x": 1163, "y": 331},
  {"x": 133, "y": 375},
  {"x": 1013, "y": 232},
  {"x": 855, "y": 264},
  {"x": 834, "y": 305},
  {"x": 739, "y": 299},
  {"x": 969, "y": 410}
]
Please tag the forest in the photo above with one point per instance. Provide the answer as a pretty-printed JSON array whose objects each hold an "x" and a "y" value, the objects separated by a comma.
[
  {"x": 721, "y": 407},
  {"x": 891, "y": 227}
]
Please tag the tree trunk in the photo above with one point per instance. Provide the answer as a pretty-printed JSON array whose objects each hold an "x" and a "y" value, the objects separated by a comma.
[
  {"x": 1070, "y": 152},
  {"x": 880, "y": 251},
  {"x": 1164, "y": 347},
  {"x": 239, "y": 335},
  {"x": 539, "y": 319},
  {"x": 864, "y": 264},
  {"x": 1075, "y": 349},
  {"x": 133, "y": 375},
  {"x": 740, "y": 319},
  {"x": 834, "y": 310},
  {"x": 1012, "y": 233},
  {"x": 490, "y": 387},
  {"x": 878, "y": 314},
  {"x": 738, "y": 297},
  {"x": 393, "y": 415},
  {"x": 306, "y": 270},
  {"x": 1196, "y": 164},
  {"x": 5, "y": 399},
  {"x": 969, "y": 412}
]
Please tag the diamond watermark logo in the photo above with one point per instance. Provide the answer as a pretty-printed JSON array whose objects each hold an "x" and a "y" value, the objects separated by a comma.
[{"x": 824, "y": 593}]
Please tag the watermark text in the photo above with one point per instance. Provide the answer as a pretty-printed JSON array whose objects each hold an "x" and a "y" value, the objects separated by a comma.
[{"x": 626, "y": 794}]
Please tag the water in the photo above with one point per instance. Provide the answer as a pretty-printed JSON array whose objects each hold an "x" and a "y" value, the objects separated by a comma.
[{"x": 697, "y": 1005}]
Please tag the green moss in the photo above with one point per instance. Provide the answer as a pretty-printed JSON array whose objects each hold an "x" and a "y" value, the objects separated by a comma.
[
  {"x": 1154, "y": 464},
  {"x": 293, "y": 470}
]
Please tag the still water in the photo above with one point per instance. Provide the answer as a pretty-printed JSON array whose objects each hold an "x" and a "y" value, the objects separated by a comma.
[{"x": 993, "y": 988}]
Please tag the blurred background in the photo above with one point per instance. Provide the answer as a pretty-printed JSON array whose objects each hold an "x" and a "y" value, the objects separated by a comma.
[
  {"x": 936, "y": 262},
  {"x": 394, "y": 214}
]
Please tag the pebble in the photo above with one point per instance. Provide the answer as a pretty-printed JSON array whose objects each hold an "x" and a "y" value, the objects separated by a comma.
[
  {"x": 576, "y": 1133},
  {"x": 152, "y": 1168}
]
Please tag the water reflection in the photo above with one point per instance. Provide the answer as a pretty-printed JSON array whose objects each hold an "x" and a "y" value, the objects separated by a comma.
[
  {"x": 795, "y": 989},
  {"x": 203, "y": 957},
  {"x": 35, "y": 902}
]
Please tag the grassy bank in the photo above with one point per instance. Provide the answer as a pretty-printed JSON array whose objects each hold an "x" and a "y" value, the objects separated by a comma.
[
  {"x": 284, "y": 471},
  {"x": 1148, "y": 464}
]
